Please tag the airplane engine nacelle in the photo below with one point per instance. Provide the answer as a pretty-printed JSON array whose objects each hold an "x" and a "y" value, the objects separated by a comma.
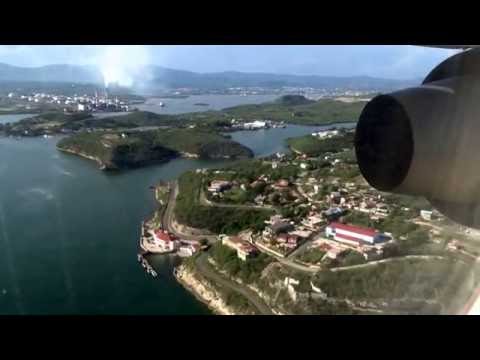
[{"x": 425, "y": 140}]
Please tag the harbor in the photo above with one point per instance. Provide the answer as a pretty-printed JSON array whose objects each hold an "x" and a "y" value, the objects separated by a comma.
[{"x": 155, "y": 239}]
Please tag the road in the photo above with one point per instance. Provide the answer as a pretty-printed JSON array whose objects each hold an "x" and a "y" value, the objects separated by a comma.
[
  {"x": 202, "y": 263},
  {"x": 205, "y": 201},
  {"x": 402, "y": 258},
  {"x": 205, "y": 268},
  {"x": 168, "y": 216},
  {"x": 167, "y": 223}
]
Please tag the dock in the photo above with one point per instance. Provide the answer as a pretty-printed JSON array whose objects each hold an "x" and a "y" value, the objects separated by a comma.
[{"x": 146, "y": 265}]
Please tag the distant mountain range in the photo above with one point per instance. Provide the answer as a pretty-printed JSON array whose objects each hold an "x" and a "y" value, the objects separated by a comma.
[{"x": 159, "y": 77}]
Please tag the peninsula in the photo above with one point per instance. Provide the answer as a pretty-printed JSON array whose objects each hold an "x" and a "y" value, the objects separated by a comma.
[{"x": 130, "y": 149}]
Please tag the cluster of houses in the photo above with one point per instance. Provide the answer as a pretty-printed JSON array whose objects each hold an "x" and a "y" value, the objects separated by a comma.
[
  {"x": 282, "y": 236},
  {"x": 325, "y": 134},
  {"x": 76, "y": 103},
  {"x": 255, "y": 125}
]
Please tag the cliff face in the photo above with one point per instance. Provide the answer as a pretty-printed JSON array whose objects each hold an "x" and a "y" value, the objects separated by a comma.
[{"x": 203, "y": 291}]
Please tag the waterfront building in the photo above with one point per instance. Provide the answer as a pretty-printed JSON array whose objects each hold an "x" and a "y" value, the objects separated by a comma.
[{"x": 165, "y": 240}]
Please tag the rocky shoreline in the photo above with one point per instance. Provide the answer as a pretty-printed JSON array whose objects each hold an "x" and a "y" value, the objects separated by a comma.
[
  {"x": 100, "y": 163},
  {"x": 203, "y": 291}
]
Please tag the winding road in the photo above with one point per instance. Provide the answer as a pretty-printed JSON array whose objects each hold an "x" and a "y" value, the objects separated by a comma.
[
  {"x": 205, "y": 201},
  {"x": 168, "y": 216},
  {"x": 202, "y": 261}
]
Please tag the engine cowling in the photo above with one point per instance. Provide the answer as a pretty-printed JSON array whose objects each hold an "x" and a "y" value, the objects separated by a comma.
[{"x": 425, "y": 140}]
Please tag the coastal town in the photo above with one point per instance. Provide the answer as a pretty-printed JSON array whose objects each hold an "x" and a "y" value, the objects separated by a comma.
[
  {"x": 319, "y": 216},
  {"x": 96, "y": 102}
]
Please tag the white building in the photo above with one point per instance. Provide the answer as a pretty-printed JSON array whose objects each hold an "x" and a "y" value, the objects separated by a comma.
[
  {"x": 426, "y": 215},
  {"x": 188, "y": 250},
  {"x": 325, "y": 134},
  {"x": 164, "y": 240},
  {"x": 255, "y": 125},
  {"x": 219, "y": 185},
  {"x": 354, "y": 235}
]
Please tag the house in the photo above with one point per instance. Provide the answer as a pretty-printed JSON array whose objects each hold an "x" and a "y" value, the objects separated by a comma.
[
  {"x": 426, "y": 215},
  {"x": 289, "y": 241},
  {"x": 312, "y": 221},
  {"x": 281, "y": 184},
  {"x": 334, "y": 252},
  {"x": 188, "y": 249},
  {"x": 355, "y": 235},
  {"x": 244, "y": 249},
  {"x": 274, "y": 218},
  {"x": 281, "y": 227},
  {"x": 219, "y": 186},
  {"x": 165, "y": 240},
  {"x": 333, "y": 213}
]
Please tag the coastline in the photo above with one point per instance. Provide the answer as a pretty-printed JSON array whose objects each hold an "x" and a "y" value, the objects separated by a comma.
[
  {"x": 100, "y": 163},
  {"x": 202, "y": 291}
]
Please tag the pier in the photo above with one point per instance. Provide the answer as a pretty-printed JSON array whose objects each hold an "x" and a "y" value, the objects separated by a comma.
[{"x": 146, "y": 265}]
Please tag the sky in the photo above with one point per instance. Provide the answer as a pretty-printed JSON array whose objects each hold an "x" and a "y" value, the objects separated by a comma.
[{"x": 386, "y": 61}]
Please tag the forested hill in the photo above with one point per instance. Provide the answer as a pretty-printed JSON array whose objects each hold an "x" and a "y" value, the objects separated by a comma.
[{"x": 134, "y": 149}]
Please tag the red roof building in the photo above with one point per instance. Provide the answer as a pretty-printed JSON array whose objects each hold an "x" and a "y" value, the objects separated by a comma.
[
  {"x": 165, "y": 240},
  {"x": 350, "y": 234}
]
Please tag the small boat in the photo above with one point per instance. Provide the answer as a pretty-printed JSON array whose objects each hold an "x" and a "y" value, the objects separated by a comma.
[{"x": 161, "y": 104}]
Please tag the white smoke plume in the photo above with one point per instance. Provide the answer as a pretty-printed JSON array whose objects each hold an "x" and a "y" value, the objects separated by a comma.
[{"x": 123, "y": 64}]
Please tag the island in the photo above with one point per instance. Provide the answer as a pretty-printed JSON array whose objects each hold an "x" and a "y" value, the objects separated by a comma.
[{"x": 130, "y": 149}]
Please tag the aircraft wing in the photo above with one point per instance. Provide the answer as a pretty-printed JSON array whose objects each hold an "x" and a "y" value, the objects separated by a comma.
[{"x": 459, "y": 47}]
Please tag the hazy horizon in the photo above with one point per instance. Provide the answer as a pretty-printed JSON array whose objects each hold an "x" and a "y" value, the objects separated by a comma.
[{"x": 117, "y": 63}]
